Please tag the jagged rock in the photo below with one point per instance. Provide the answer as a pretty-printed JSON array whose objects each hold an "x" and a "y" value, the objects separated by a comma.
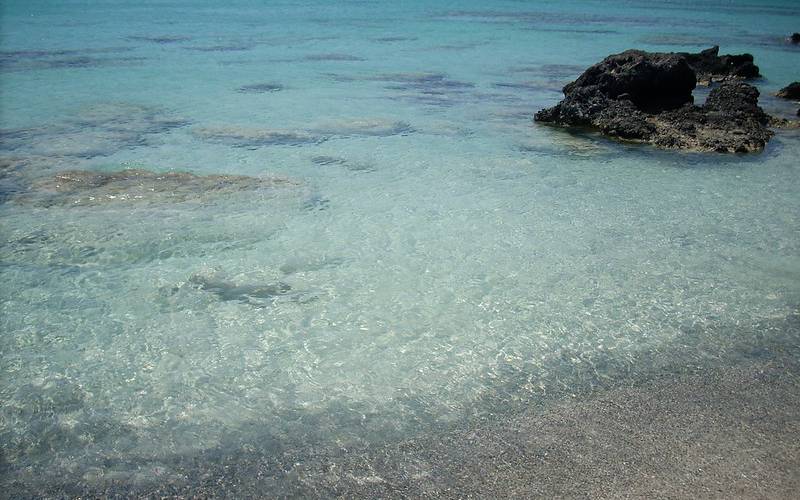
[
  {"x": 615, "y": 94},
  {"x": 791, "y": 91},
  {"x": 729, "y": 122},
  {"x": 647, "y": 97},
  {"x": 795, "y": 38},
  {"x": 710, "y": 67}
]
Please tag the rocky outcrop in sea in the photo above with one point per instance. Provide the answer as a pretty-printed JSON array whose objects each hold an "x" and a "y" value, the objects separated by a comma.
[
  {"x": 710, "y": 67},
  {"x": 647, "y": 97},
  {"x": 791, "y": 91}
]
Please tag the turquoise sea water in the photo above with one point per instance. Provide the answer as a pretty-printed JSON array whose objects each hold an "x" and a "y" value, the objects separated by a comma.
[{"x": 410, "y": 252}]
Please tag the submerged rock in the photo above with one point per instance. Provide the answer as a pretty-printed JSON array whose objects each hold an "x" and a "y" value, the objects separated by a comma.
[
  {"x": 324, "y": 161},
  {"x": 159, "y": 39},
  {"x": 647, "y": 97},
  {"x": 230, "y": 291},
  {"x": 257, "y": 295},
  {"x": 253, "y": 138},
  {"x": 795, "y": 38},
  {"x": 363, "y": 127},
  {"x": 102, "y": 129},
  {"x": 83, "y": 187},
  {"x": 260, "y": 88},
  {"x": 791, "y": 91},
  {"x": 332, "y": 57},
  {"x": 710, "y": 67}
]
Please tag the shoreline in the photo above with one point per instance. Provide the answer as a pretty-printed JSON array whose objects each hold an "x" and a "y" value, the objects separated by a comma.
[{"x": 718, "y": 432}]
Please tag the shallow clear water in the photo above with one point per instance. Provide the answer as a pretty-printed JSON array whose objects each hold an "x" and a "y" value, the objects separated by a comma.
[{"x": 413, "y": 250}]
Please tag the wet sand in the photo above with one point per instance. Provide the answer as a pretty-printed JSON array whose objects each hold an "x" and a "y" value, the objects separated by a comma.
[
  {"x": 713, "y": 433},
  {"x": 729, "y": 433}
]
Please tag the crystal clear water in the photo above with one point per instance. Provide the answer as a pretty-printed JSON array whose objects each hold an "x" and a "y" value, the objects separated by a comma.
[{"x": 408, "y": 250}]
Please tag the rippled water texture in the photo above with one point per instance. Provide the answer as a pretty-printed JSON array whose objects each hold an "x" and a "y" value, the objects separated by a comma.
[{"x": 271, "y": 226}]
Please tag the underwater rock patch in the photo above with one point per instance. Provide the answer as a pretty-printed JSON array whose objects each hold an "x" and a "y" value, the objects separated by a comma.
[
  {"x": 552, "y": 71},
  {"x": 647, "y": 97},
  {"x": 316, "y": 134},
  {"x": 96, "y": 131},
  {"x": 435, "y": 89},
  {"x": 23, "y": 60},
  {"x": 325, "y": 161},
  {"x": 391, "y": 39},
  {"x": 161, "y": 40},
  {"x": 260, "y": 88},
  {"x": 332, "y": 57},
  {"x": 530, "y": 86},
  {"x": 253, "y": 294},
  {"x": 83, "y": 187},
  {"x": 364, "y": 127},
  {"x": 12, "y": 180},
  {"x": 76, "y": 62},
  {"x": 328, "y": 160},
  {"x": 220, "y": 48},
  {"x": 254, "y": 138},
  {"x": 422, "y": 81},
  {"x": 546, "y": 20},
  {"x": 229, "y": 291}
]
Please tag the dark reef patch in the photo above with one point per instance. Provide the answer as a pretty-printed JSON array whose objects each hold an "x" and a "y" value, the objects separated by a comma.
[
  {"x": 30, "y": 60},
  {"x": 332, "y": 57},
  {"x": 11, "y": 181},
  {"x": 587, "y": 31},
  {"x": 531, "y": 86},
  {"x": 545, "y": 20},
  {"x": 315, "y": 134},
  {"x": 260, "y": 88},
  {"x": 328, "y": 160},
  {"x": 688, "y": 39},
  {"x": 435, "y": 89},
  {"x": 13, "y": 55},
  {"x": 95, "y": 131},
  {"x": 362, "y": 127},
  {"x": 241, "y": 137},
  {"x": 83, "y": 187},
  {"x": 246, "y": 293},
  {"x": 551, "y": 71},
  {"x": 220, "y": 48},
  {"x": 159, "y": 39},
  {"x": 391, "y": 39},
  {"x": 325, "y": 161},
  {"x": 257, "y": 295}
]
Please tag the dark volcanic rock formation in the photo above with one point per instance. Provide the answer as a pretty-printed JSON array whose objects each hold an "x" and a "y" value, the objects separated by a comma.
[
  {"x": 710, "y": 67},
  {"x": 791, "y": 91},
  {"x": 616, "y": 94},
  {"x": 729, "y": 122},
  {"x": 647, "y": 97}
]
